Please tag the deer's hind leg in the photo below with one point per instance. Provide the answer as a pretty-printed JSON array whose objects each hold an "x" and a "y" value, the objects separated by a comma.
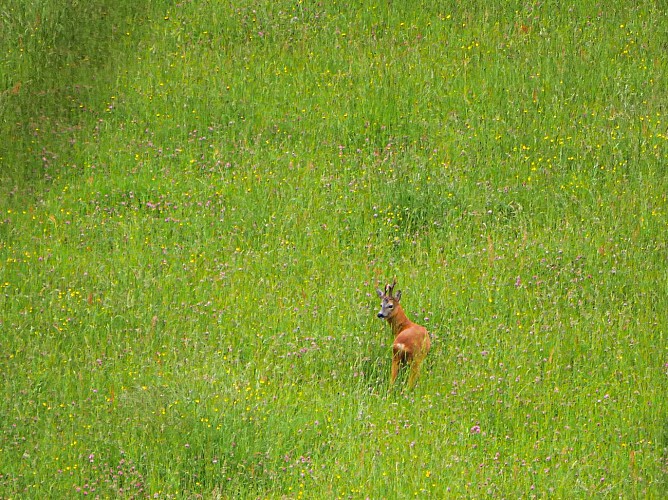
[
  {"x": 415, "y": 372},
  {"x": 396, "y": 363},
  {"x": 416, "y": 363}
]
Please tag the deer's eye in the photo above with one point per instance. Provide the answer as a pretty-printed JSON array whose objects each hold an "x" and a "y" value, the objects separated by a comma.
[{"x": 390, "y": 306}]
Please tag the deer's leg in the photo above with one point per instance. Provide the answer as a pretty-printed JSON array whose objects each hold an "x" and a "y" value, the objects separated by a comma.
[
  {"x": 415, "y": 372},
  {"x": 396, "y": 362}
]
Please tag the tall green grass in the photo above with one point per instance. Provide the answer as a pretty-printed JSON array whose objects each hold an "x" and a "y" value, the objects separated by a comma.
[{"x": 198, "y": 199}]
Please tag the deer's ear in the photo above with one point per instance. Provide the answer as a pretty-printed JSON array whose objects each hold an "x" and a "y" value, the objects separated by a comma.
[
  {"x": 398, "y": 296},
  {"x": 380, "y": 294}
]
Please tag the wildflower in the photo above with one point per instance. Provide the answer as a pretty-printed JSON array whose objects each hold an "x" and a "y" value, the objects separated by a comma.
[{"x": 475, "y": 429}]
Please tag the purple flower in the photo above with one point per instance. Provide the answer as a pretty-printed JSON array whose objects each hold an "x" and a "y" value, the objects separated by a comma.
[{"x": 475, "y": 429}]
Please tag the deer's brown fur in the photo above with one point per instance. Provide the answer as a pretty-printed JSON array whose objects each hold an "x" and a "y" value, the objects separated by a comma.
[{"x": 411, "y": 341}]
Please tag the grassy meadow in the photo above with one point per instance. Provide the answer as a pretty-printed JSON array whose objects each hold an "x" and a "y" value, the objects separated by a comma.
[{"x": 198, "y": 199}]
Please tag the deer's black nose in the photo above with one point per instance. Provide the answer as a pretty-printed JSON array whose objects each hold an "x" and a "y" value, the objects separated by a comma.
[{"x": 380, "y": 315}]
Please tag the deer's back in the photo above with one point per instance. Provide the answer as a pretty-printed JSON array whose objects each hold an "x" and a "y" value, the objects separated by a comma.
[{"x": 413, "y": 340}]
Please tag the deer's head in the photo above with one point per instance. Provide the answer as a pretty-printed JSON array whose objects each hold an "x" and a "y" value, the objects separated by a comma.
[{"x": 389, "y": 303}]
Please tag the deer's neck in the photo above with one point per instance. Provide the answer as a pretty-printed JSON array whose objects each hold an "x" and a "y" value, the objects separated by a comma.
[{"x": 399, "y": 321}]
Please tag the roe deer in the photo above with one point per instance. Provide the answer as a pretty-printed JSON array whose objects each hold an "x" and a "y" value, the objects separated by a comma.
[{"x": 411, "y": 341}]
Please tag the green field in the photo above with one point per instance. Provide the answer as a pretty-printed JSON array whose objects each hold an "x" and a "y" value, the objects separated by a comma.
[{"x": 198, "y": 199}]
